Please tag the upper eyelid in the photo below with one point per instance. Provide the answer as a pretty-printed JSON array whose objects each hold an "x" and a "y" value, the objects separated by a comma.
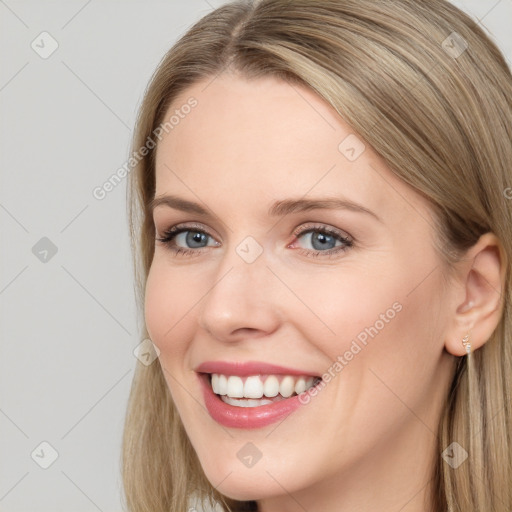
[
  {"x": 178, "y": 228},
  {"x": 188, "y": 227}
]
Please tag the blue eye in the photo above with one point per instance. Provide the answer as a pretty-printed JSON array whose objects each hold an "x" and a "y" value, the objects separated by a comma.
[
  {"x": 191, "y": 241},
  {"x": 197, "y": 238},
  {"x": 321, "y": 240},
  {"x": 325, "y": 241}
]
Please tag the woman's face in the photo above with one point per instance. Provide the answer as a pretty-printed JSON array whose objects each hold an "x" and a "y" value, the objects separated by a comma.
[{"x": 351, "y": 291}]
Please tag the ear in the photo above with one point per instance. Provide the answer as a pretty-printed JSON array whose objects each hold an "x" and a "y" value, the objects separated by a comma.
[{"x": 479, "y": 301}]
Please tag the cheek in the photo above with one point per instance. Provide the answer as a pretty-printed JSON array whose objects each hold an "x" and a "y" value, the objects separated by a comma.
[
  {"x": 399, "y": 329},
  {"x": 378, "y": 321},
  {"x": 169, "y": 297},
  {"x": 343, "y": 305}
]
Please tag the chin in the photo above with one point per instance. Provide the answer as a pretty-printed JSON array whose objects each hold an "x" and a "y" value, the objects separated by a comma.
[
  {"x": 255, "y": 483},
  {"x": 247, "y": 489}
]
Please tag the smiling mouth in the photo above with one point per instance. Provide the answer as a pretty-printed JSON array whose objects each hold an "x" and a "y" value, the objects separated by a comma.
[{"x": 259, "y": 390}]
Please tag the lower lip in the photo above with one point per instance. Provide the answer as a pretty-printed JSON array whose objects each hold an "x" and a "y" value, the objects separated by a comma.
[{"x": 245, "y": 417}]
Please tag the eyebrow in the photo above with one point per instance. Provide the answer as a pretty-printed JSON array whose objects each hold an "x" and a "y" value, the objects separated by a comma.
[{"x": 278, "y": 208}]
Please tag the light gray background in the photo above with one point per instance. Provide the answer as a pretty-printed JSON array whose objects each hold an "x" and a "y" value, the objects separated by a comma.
[{"x": 69, "y": 324}]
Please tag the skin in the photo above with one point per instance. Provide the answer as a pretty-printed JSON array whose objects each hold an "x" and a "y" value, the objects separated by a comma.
[{"x": 366, "y": 441}]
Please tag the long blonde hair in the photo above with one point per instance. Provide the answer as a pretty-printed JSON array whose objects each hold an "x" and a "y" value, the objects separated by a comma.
[{"x": 432, "y": 94}]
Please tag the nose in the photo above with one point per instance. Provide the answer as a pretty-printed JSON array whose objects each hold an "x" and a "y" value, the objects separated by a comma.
[{"x": 242, "y": 301}]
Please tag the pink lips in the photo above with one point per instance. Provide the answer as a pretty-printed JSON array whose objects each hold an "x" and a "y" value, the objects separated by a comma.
[
  {"x": 247, "y": 368},
  {"x": 245, "y": 417}
]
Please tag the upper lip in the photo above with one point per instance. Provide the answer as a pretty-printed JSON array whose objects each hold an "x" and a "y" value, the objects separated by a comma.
[{"x": 246, "y": 368}]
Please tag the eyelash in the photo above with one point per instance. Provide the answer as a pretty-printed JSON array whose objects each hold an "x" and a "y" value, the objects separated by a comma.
[{"x": 171, "y": 233}]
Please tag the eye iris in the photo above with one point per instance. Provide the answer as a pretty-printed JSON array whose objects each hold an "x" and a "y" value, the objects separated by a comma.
[
  {"x": 322, "y": 239},
  {"x": 194, "y": 237}
]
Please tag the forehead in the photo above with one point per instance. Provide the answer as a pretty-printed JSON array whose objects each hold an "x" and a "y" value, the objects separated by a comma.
[
  {"x": 245, "y": 120},
  {"x": 266, "y": 138}
]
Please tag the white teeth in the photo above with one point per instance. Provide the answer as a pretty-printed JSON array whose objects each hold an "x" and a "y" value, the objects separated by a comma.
[
  {"x": 253, "y": 387},
  {"x": 235, "y": 387},
  {"x": 245, "y": 403},
  {"x": 287, "y": 386},
  {"x": 300, "y": 385},
  {"x": 256, "y": 387},
  {"x": 271, "y": 386},
  {"x": 222, "y": 384},
  {"x": 215, "y": 383}
]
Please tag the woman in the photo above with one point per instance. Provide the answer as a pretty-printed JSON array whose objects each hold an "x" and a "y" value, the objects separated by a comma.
[{"x": 322, "y": 221}]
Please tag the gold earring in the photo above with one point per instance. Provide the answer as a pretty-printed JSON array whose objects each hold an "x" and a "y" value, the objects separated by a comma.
[{"x": 467, "y": 344}]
